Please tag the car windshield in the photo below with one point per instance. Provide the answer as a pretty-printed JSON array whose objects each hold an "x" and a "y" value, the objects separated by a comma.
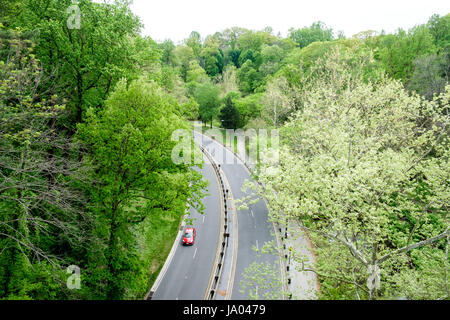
[{"x": 188, "y": 235}]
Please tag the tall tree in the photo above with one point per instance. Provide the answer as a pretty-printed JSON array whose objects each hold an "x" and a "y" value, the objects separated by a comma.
[
  {"x": 40, "y": 186},
  {"x": 307, "y": 35},
  {"x": 87, "y": 61},
  {"x": 229, "y": 114},
  {"x": 130, "y": 142},
  {"x": 373, "y": 195},
  {"x": 207, "y": 96}
]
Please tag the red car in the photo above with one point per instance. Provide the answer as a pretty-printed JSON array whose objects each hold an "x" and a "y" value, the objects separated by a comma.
[{"x": 189, "y": 236}]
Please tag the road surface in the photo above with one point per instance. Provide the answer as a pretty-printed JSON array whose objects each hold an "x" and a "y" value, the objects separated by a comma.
[
  {"x": 188, "y": 275},
  {"x": 254, "y": 227},
  {"x": 189, "y": 272}
]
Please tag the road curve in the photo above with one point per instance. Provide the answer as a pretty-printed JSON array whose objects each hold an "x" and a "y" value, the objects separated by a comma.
[
  {"x": 254, "y": 227},
  {"x": 188, "y": 274}
]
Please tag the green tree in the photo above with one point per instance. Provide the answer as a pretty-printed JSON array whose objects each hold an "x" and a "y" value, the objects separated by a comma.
[
  {"x": 207, "y": 96},
  {"x": 440, "y": 29},
  {"x": 196, "y": 73},
  {"x": 41, "y": 188},
  {"x": 307, "y": 35},
  {"x": 85, "y": 62},
  {"x": 249, "y": 77},
  {"x": 373, "y": 196},
  {"x": 195, "y": 43},
  {"x": 168, "y": 56},
  {"x": 430, "y": 75},
  {"x": 131, "y": 147},
  {"x": 185, "y": 55},
  {"x": 271, "y": 57},
  {"x": 249, "y": 108},
  {"x": 212, "y": 57},
  {"x": 229, "y": 114},
  {"x": 398, "y": 52}
]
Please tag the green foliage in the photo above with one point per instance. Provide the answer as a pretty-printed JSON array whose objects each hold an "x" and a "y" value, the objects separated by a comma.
[
  {"x": 41, "y": 187},
  {"x": 271, "y": 57},
  {"x": 367, "y": 189},
  {"x": 249, "y": 77},
  {"x": 398, "y": 52},
  {"x": 316, "y": 33},
  {"x": 229, "y": 114},
  {"x": 440, "y": 29},
  {"x": 191, "y": 109},
  {"x": 207, "y": 96},
  {"x": 249, "y": 107},
  {"x": 130, "y": 142},
  {"x": 87, "y": 61},
  {"x": 168, "y": 56},
  {"x": 212, "y": 58},
  {"x": 261, "y": 281},
  {"x": 349, "y": 161},
  {"x": 430, "y": 75}
]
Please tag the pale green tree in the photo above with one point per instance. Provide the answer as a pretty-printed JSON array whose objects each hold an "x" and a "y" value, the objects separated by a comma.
[{"x": 365, "y": 168}]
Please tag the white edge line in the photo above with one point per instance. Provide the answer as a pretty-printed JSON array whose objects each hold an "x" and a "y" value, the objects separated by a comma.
[{"x": 169, "y": 257}]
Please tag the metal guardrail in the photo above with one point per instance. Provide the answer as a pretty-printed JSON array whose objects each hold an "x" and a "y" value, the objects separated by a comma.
[
  {"x": 224, "y": 234},
  {"x": 278, "y": 232}
]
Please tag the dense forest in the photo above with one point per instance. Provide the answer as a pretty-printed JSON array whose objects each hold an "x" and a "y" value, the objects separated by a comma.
[{"x": 86, "y": 119}]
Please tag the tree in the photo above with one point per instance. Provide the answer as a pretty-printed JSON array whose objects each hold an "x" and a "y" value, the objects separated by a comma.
[
  {"x": 254, "y": 40},
  {"x": 249, "y": 108},
  {"x": 10, "y": 10},
  {"x": 195, "y": 43},
  {"x": 398, "y": 52},
  {"x": 229, "y": 115},
  {"x": 271, "y": 57},
  {"x": 168, "y": 56},
  {"x": 185, "y": 55},
  {"x": 207, "y": 96},
  {"x": 279, "y": 101},
  {"x": 307, "y": 35},
  {"x": 195, "y": 73},
  {"x": 131, "y": 147},
  {"x": 262, "y": 281},
  {"x": 212, "y": 57},
  {"x": 41, "y": 188},
  {"x": 373, "y": 196},
  {"x": 249, "y": 77},
  {"x": 440, "y": 29},
  {"x": 229, "y": 80},
  {"x": 190, "y": 109},
  {"x": 429, "y": 77},
  {"x": 85, "y": 62}
]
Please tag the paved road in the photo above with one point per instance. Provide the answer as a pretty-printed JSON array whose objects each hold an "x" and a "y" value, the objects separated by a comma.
[
  {"x": 189, "y": 273},
  {"x": 254, "y": 228}
]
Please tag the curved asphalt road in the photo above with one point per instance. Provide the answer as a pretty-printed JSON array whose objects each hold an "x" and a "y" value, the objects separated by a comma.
[
  {"x": 188, "y": 275},
  {"x": 254, "y": 227}
]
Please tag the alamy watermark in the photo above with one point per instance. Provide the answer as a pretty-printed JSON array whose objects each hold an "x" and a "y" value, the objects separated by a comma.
[
  {"x": 74, "y": 280},
  {"x": 74, "y": 20},
  {"x": 251, "y": 146}
]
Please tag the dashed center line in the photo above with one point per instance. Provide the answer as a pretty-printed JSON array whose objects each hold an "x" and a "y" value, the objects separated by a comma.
[{"x": 195, "y": 252}]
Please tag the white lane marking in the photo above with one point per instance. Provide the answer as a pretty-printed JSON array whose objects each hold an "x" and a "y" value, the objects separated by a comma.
[
  {"x": 195, "y": 252},
  {"x": 257, "y": 245},
  {"x": 203, "y": 219},
  {"x": 252, "y": 213}
]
